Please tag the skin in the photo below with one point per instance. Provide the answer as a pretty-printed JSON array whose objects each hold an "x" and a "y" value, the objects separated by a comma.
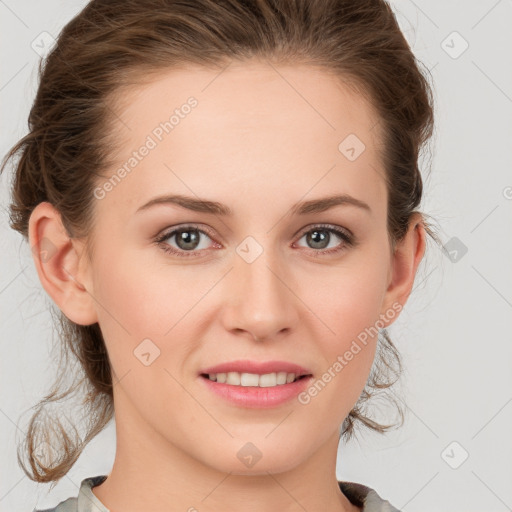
[{"x": 256, "y": 145}]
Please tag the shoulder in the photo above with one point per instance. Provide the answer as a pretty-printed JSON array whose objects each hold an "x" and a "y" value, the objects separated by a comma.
[
  {"x": 83, "y": 501},
  {"x": 69, "y": 505},
  {"x": 365, "y": 497},
  {"x": 358, "y": 494}
]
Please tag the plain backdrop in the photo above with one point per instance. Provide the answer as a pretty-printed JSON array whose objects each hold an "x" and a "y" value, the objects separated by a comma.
[{"x": 454, "y": 452}]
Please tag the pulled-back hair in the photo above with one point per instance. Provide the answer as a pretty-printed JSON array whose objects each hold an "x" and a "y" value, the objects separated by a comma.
[{"x": 114, "y": 44}]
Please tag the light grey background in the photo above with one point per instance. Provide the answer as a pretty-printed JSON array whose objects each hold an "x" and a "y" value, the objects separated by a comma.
[{"x": 454, "y": 334}]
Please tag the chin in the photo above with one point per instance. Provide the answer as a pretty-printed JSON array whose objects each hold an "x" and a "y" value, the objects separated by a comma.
[{"x": 258, "y": 458}]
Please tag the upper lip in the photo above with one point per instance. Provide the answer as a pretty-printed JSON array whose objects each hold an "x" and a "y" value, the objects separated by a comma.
[{"x": 258, "y": 367}]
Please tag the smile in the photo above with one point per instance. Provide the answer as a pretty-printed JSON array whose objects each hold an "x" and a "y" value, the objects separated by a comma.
[
  {"x": 256, "y": 391},
  {"x": 253, "y": 379}
]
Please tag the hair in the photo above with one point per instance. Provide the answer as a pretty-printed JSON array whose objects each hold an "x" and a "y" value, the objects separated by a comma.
[{"x": 116, "y": 44}]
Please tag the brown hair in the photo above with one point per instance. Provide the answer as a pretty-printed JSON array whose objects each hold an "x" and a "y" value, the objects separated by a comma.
[{"x": 118, "y": 43}]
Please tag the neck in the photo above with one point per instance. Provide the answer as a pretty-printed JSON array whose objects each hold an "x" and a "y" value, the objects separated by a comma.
[{"x": 150, "y": 473}]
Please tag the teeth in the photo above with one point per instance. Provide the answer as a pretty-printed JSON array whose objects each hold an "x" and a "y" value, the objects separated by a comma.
[{"x": 253, "y": 379}]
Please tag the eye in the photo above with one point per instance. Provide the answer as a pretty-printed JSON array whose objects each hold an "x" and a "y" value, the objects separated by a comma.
[
  {"x": 320, "y": 237},
  {"x": 187, "y": 239}
]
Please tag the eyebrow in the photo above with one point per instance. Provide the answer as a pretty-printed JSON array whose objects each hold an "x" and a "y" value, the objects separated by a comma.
[{"x": 213, "y": 207}]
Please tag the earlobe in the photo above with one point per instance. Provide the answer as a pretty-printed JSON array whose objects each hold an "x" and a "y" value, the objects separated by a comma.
[
  {"x": 405, "y": 261},
  {"x": 56, "y": 257}
]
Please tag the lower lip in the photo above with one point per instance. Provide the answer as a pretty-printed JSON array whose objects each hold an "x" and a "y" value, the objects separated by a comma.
[{"x": 256, "y": 397}]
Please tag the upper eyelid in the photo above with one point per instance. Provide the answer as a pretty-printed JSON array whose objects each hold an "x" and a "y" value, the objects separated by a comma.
[{"x": 167, "y": 233}]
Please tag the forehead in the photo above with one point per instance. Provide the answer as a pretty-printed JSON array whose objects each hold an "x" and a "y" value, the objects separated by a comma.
[
  {"x": 251, "y": 125},
  {"x": 244, "y": 95}
]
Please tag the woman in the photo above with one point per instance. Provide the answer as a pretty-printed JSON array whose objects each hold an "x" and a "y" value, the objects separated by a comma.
[{"x": 221, "y": 198}]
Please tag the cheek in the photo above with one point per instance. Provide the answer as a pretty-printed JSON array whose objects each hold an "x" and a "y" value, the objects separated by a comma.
[
  {"x": 140, "y": 299},
  {"x": 349, "y": 299},
  {"x": 142, "y": 295},
  {"x": 347, "y": 355},
  {"x": 129, "y": 308},
  {"x": 144, "y": 322}
]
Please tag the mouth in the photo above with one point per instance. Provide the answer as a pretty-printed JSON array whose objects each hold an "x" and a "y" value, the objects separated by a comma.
[
  {"x": 253, "y": 390},
  {"x": 244, "y": 379},
  {"x": 256, "y": 384}
]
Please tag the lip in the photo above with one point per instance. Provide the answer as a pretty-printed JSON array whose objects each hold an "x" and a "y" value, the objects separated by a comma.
[
  {"x": 258, "y": 367},
  {"x": 256, "y": 397}
]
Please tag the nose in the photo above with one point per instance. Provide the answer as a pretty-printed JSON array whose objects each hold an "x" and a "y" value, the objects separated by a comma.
[{"x": 260, "y": 298}]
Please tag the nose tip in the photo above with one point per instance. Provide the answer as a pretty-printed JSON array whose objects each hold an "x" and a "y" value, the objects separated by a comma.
[{"x": 260, "y": 301}]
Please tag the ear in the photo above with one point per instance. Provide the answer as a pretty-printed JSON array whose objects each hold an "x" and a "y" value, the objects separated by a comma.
[
  {"x": 57, "y": 260},
  {"x": 404, "y": 263}
]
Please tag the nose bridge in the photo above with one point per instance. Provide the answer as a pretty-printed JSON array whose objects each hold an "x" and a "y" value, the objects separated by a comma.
[{"x": 261, "y": 301}]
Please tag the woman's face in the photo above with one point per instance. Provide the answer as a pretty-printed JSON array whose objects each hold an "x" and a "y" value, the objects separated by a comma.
[{"x": 269, "y": 281}]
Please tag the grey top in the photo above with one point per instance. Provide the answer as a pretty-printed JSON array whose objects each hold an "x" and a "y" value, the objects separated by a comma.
[{"x": 86, "y": 501}]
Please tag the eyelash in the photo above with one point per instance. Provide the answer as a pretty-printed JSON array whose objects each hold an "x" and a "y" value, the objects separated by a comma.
[{"x": 348, "y": 240}]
